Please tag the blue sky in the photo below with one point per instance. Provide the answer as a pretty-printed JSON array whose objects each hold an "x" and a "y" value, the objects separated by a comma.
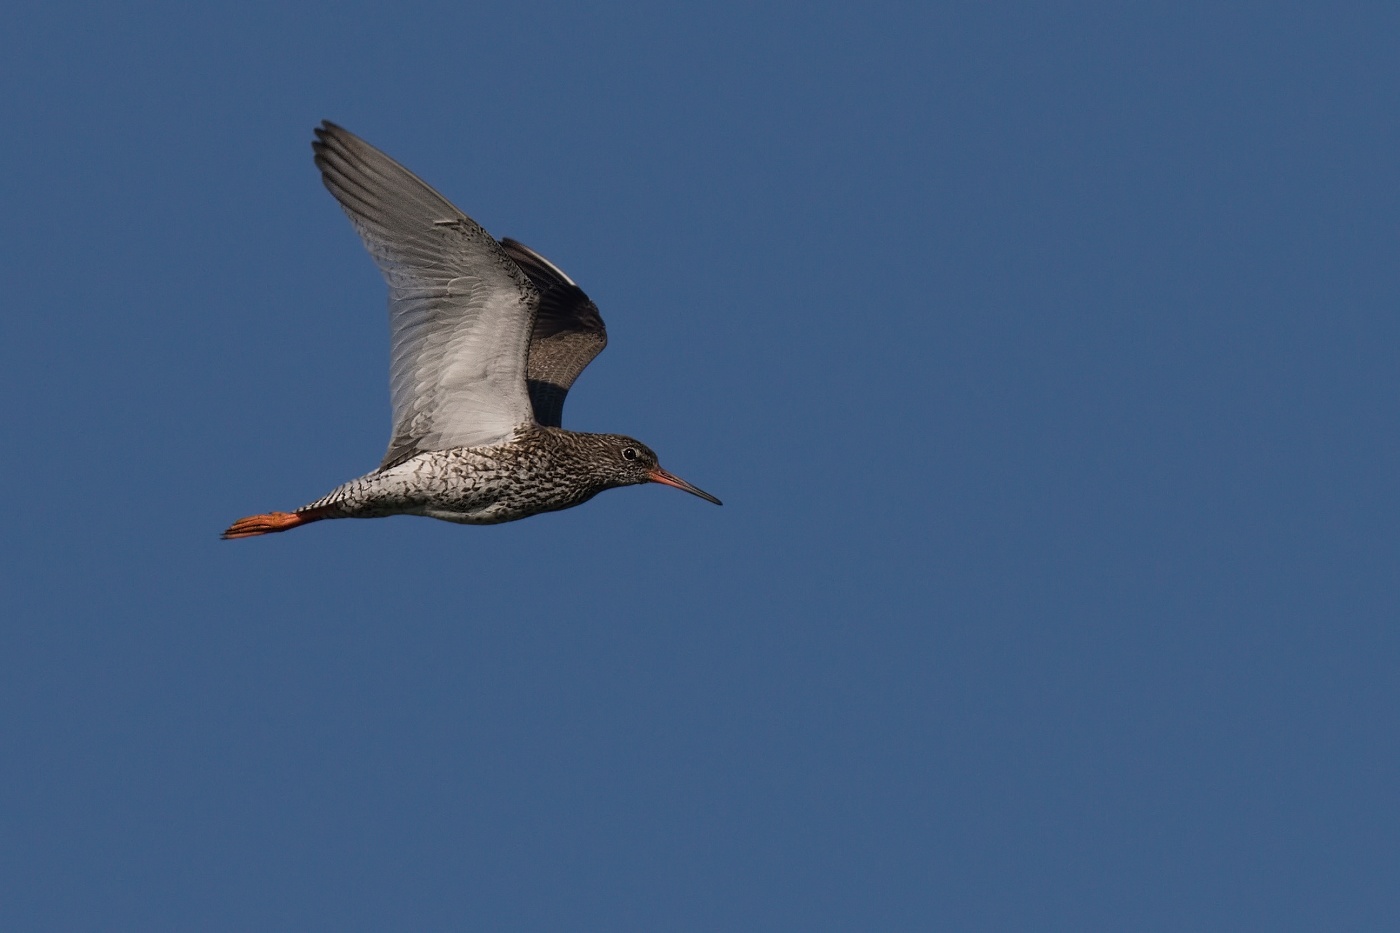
[{"x": 1045, "y": 361}]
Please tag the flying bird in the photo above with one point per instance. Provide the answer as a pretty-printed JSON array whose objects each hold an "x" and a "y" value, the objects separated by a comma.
[{"x": 486, "y": 336}]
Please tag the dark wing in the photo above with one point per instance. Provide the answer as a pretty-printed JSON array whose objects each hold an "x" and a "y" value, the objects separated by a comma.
[
  {"x": 460, "y": 311},
  {"x": 568, "y": 333}
]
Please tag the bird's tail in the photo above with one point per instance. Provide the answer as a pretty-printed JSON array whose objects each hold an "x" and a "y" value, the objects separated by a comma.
[{"x": 269, "y": 522}]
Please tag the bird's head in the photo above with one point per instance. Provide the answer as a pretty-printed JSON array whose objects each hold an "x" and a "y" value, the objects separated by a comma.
[{"x": 633, "y": 462}]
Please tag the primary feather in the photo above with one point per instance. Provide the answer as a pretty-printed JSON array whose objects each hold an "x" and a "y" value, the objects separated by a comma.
[{"x": 460, "y": 309}]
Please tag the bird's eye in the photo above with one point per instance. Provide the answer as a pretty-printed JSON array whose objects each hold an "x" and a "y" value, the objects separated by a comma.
[{"x": 629, "y": 453}]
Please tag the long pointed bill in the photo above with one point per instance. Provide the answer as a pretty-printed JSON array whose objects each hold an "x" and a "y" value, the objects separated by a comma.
[{"x": 659, "y": 475}]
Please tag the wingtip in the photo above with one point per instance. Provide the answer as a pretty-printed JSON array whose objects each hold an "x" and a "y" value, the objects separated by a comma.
[{"x": 326, "y": 134}]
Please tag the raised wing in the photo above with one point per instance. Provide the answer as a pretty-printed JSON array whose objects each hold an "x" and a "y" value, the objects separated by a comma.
[
  {"x": 460, "y": 310},
  {"x": 568, "y": 333}
]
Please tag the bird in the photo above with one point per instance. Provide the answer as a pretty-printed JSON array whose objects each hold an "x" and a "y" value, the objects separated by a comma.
[{"x": 487, "y": 336}]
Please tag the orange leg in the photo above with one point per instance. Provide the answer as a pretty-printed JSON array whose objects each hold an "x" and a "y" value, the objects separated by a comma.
[{"x": 269, "y": 522}]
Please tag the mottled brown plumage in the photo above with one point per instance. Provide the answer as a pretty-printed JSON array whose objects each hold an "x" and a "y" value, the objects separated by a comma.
[{"x": 487, "y": 338}]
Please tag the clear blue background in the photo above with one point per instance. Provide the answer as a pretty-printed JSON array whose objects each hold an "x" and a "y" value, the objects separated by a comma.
[{"x": 1046, "y": 362}]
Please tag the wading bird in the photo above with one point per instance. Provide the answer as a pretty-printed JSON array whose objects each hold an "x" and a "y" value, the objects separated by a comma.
[{"x": 487, "y": 337}]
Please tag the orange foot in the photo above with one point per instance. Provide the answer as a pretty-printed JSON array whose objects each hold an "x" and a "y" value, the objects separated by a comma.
[{"x": 255, "y": 525}]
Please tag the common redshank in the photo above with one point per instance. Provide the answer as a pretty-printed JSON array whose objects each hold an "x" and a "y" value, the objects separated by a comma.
[{"x": 486, "y": 338}]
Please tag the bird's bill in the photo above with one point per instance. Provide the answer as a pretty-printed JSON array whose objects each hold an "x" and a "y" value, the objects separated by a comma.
[{"x": 659, "y": 475}]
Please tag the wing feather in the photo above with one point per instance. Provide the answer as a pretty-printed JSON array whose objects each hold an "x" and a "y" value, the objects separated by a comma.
[
  {"x": 568, "y": 333},
  {"x": 460, "y": 309}
]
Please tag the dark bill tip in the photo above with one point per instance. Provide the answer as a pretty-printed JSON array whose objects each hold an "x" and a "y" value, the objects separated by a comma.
[{"x": 659, "y": 475}]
